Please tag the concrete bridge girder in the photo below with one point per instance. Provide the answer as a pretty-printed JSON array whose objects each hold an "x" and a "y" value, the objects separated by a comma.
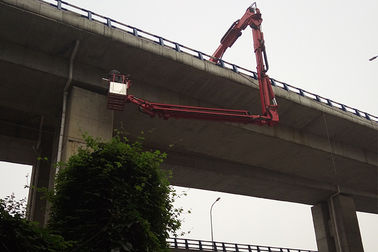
[{"x": 85, "y": 76}]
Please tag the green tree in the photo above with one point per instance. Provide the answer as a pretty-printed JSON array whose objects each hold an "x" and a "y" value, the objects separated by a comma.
[{"x": 114, "y": 196}]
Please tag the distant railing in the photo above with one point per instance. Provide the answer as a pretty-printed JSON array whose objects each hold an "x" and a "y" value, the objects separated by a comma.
[
  {"x": 61, "y": 5},
  {"x": 199, "y": 245}
]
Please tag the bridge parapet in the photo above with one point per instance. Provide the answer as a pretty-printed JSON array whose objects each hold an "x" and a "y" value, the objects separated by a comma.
[{"x": 179, "y": 244}]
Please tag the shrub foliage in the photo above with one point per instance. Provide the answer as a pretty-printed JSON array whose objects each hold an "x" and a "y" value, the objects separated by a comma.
[
  {"x": 114, "y": 196},
  {"x": 19, "y": 234}
]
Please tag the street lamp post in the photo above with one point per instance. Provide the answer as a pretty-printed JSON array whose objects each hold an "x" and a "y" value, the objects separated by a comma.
[
  {"x": 211, "y": 221},
  {"x": 373, "y": 58}
]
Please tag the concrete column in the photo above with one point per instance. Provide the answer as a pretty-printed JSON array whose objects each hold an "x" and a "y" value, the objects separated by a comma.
[
  {"x": 336, "y": 225},
  {"x": 86, "y": 113},
  {"x": 43, "y": 171}
]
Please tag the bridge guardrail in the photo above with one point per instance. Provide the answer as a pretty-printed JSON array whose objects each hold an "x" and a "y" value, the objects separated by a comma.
[
  {"x": 62, "y": 5},
  {"x": 180, "y": 243}
]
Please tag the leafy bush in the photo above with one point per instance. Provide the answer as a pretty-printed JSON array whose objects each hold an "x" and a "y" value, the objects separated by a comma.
[
  {"x": 114, "y": 196},
  {"x": 19, "y": 234},
  {"x": 15, "y": 207}
]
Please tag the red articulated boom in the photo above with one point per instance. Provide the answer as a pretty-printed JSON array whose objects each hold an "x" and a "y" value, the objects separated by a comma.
[
  {"x": 119, "y": 84},
  {"x": 252, "y": 18}
]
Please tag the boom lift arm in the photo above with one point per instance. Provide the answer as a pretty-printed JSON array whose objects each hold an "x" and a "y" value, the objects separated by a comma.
[
  {"x": 252, "y": 18},
  {"x": 119, "y": 84}
]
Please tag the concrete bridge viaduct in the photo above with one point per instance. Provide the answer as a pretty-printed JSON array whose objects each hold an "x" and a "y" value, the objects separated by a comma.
[{"x": 323, "y": 153}]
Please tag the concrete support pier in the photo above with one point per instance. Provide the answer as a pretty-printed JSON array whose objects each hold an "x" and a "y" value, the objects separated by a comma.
[
  {"x": 336, "y": 225},
  {"x": 87, "y": 113},
  {"x": 42, "y": 178}
]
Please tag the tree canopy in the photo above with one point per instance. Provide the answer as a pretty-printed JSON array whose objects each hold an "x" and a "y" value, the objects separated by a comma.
[{"x": 114, "y": 196}]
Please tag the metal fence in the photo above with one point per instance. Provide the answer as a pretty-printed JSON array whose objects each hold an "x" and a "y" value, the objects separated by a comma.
[
  {"x": 179, "y": 243},
  {"x": 62, "y": 5}
]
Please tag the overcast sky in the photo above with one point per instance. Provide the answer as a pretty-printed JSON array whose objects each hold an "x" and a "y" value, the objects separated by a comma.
[{"x": 320, "y": 46}]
